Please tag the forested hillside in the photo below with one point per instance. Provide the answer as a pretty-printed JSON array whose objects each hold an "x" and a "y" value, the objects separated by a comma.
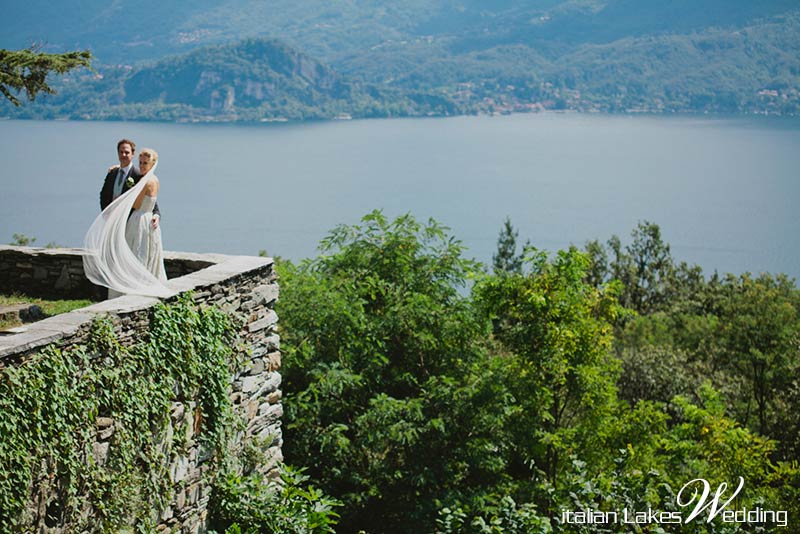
[
  {"x": 125, "y": 31},
  {"x": 423, "y": 57},
  {"x": 251, "y": 80}
]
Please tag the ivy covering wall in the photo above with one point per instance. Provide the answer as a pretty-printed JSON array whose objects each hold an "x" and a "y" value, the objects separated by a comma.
[{"x": 59, "y": 403}]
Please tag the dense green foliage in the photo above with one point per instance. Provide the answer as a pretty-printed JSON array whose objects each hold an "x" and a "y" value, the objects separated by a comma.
[
  {"x": 567, "y": 384},
  {"x": 50, "y": 403},
  {"x": 246, "y": 504},
  {"x": 740, "y": 332},
  {"x": 375, "y": 363},
  {"x": 558, "y": 330},
  {"x": 416, "y": 58}
]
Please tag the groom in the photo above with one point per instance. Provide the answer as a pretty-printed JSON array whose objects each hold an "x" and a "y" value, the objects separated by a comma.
[{"x": 118, "y": 180}]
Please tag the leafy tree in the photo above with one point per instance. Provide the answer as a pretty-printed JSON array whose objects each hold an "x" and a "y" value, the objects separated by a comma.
[
  {"x": 389, "y": 410},
  {"x": 758, "y": 330},
  {"x": 644, "y": 267},
  {"x": 27, "y": 70},
  {"x": 597, "y": 272},
  {"x": 651, "y": 280},
  {"x": 506, "y": 259},
  {"x": 558, "y": 329},
  {"x": 652, "y": 268},
  {"x": 22, "y": 240},
  {"x": 786, "y": 423}
]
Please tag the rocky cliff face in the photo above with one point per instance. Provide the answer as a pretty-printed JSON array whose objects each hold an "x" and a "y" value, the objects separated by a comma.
[{"x": 246, "y": 74}]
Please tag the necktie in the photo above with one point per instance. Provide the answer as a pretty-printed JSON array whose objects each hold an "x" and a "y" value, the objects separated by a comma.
[{"x": 120, "y": 178}]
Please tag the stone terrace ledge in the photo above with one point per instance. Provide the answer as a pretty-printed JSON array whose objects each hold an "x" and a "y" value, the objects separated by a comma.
[{"x": 208, "y": 270}]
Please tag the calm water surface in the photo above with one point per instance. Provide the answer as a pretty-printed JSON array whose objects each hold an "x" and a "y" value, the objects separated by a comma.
[{"x": 724, "y": 191}]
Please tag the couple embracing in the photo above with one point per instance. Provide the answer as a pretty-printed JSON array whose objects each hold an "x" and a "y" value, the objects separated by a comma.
[{"x": 123, "y": 246}]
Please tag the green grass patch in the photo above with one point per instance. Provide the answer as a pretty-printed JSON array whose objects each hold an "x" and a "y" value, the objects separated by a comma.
[{"x": 49, "y": 307}]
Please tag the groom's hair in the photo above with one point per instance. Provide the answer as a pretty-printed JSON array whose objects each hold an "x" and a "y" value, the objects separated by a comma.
[{"x": 126, "y": 142}]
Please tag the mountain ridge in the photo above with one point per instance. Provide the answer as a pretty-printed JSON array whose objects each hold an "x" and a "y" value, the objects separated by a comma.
[
  {"x": 436, "y": 57},
  {"x": 250, "y": 80}
]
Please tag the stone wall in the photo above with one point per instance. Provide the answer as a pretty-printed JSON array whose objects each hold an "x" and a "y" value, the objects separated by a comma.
[
  {"x": 242, "y": 286},
  {"x": 57, "y": 273}
]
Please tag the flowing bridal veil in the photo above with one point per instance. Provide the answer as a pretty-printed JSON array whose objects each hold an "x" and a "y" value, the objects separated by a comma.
[{"x": 109, "y": 261}]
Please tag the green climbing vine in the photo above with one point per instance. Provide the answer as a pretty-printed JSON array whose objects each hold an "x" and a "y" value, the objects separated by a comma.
[{"x": 51, "y": 403}]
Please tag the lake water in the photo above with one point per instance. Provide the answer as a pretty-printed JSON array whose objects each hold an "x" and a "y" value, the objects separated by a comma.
[{"x": 724, "y": 191}]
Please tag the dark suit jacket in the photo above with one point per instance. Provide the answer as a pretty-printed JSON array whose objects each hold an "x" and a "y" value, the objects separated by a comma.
[{"x": 107, "y": 191}]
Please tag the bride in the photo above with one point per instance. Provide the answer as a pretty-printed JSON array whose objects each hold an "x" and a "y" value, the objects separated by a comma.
[
  {"x": 123, "y": 250},
  {"x": 141, "y": 236}
]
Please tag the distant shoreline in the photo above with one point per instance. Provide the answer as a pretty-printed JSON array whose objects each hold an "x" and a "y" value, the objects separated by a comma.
[{"x": 274, "y": 121}]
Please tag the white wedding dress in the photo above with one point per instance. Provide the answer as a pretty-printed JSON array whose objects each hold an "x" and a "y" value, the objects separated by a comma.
[
  {"x": 144, "y": 240},
  {"x": 125, "y": 254}
]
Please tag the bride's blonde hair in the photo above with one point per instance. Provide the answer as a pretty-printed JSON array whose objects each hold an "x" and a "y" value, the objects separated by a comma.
[{"x": 153, "y": 155}]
